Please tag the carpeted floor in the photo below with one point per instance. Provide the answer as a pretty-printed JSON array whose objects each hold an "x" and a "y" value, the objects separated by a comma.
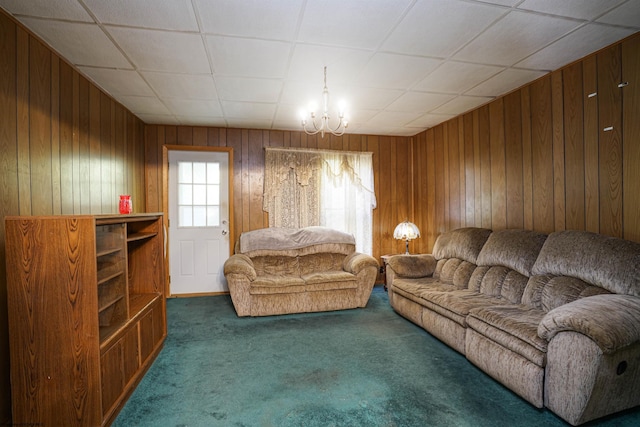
[{"x": 364, "y": 367}]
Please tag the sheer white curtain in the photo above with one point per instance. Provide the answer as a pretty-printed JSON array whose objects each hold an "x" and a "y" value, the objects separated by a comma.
[{"x": 304, "y": 187}]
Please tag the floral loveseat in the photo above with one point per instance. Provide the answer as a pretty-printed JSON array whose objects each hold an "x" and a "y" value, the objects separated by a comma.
[
  {"x": 554, "y": 318},
  {"x": 281, "y": 270}
]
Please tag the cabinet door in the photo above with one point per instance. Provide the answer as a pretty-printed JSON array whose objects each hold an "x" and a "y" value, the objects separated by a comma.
[
  {"x": 151, "y": 330},
  {"x": 118, "y": 365}
]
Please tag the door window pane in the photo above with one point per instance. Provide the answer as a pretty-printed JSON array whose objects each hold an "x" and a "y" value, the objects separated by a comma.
[{"x": 199, "y": 194}]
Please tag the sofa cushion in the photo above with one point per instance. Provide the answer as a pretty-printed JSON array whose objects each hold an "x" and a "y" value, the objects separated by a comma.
[
  {"x": 271, "y": 284},
  {"x": 320, "y": 262},
  {"x": 412, "y": 266},
  {"x": 546, "y": 292},
  {"x": 275, "y": 265},
  {"x": 454, "y": 271},
  {"x": 608, "y": 262},
  {"x": 499, "y": 281},
  {"x": 514, "y": 327},
  {"x": 457, "y": 304},
  {"x": 515, "y": 249},
  {"x": 463, "y": 243},
  {"x": 329, "y": 280}
]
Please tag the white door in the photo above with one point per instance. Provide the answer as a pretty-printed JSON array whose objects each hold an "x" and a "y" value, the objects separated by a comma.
[{"x": 198, "y": 221}]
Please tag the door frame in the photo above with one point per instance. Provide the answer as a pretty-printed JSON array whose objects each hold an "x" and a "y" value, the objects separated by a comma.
[{"x": 165, "y": 197}]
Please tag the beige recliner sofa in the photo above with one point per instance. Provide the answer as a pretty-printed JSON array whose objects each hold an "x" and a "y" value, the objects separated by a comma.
[
  {"x": 554, "y": 318},
  {"x": 281, "y": 271}
]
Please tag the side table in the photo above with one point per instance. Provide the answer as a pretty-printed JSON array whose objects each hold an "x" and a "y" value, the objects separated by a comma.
[{"x": 385, "y": 259}]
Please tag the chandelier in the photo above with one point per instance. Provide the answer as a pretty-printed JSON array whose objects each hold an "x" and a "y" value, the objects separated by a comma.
[{"x": 323, "y": 125}]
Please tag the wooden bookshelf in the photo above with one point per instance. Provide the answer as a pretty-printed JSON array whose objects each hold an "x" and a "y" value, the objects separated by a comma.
[{"x": 87, "y": 313}]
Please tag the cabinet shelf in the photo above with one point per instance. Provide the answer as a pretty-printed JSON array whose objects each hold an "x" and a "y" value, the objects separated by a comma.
[
  {"x": 108, "y": 251},
  {"x": 105, "y": 279},
  {"x": 140, "y": 236},
  {"x": 108, "y": 304}
]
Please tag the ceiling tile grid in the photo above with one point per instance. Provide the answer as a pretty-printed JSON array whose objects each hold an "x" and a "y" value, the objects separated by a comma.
[{"x": 402, "y": 66}]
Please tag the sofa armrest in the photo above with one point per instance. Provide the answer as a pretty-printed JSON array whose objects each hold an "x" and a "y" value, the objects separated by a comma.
[
  {"x": 412, "y": 266},
  {"x": 357, "y": 261},
  {"x": 611, "y": 321},
  {"x": 240, "y": 264}
]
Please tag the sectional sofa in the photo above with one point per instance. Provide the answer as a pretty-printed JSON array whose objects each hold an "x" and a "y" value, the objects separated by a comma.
[{"x": 554, "y": 318}]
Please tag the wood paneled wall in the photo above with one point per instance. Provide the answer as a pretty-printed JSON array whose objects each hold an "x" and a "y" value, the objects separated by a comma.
[
  {"x": 560, "y": 153},
  {"x": 65, "y": 146},
  {"x": 391, "y": 155}
]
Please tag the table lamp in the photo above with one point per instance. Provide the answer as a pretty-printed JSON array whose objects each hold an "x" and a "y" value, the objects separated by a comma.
[{"x": 406, "y": 231}]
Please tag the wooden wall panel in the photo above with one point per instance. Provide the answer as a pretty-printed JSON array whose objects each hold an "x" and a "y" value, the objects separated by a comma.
[
  {"x": 542, "y": 159},
  {"x": 574, "y": 147},
  {"x": 631, "y": 141},
  {"x": 610, "y": 140},
  {"x": 62, "y": 143},
  {"x": 513, "y": 160}
]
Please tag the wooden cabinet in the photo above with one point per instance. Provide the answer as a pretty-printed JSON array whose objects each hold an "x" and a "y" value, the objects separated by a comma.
[{"x": 87, "y": 314}]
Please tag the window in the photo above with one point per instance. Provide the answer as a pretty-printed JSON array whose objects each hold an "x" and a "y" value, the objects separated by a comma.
[
  {"x": 321, "y": 187},
  {"x": 198, "y": 194}
]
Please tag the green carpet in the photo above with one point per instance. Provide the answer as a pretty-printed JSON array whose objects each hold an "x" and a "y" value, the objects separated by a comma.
[{"x": 363, "y": 367}]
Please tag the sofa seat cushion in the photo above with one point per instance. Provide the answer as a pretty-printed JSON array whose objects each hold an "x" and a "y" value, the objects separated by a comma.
[
  {"x": 272, "y": 284},
  {"x": 329, "y": 280},
  {"x": 515, "y": 327},
  {"x": 456, "y": 305},
  {"x": 412, "y": 288}
]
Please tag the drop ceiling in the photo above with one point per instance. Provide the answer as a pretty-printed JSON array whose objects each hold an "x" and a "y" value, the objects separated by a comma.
[{"x": 401, "y": 66}]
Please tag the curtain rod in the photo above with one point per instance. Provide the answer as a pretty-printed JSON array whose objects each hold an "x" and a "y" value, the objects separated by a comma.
[{"x": 313, "y": 150}]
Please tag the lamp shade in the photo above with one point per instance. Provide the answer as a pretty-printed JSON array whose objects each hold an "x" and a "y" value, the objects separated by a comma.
[{"x": 406, "y": 231}]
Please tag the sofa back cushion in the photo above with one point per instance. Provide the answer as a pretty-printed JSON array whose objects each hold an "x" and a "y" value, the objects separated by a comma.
[
  {"x": 607, "y": 262},
  {"x": 462, "y": 243},
  {"x": 514, "y": 249},
  {"x": 276, "y": 265},
  {"x": 454, "y": 271},
  {"x": 498, "y": 281},
  {"x": 546, "y": 292},
  {"x": 320, "y": 262}
]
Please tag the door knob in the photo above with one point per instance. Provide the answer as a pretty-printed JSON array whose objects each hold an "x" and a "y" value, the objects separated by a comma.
[{"x": 225, "y": 232}]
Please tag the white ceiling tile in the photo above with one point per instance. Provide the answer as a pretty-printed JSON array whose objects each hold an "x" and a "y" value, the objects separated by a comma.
[
  {"x": 118, "y": 82},
  {"x": 248, "y": 89},
  {"x": 249, "y": 123},
  {"x": 144, "y": 105},
  {"x": 419, "y": 102},
  {"x": 514, "y": 37},
  {"x": 502, "y": 2},
  {"x": 61, "y": 9},
  {"x": 462, "y": 104},
  {"x": 627, "y": 14},
  {"x": 393, "y": 118},
  {"x": 273, "y": 19},
  {"x": 163, "y": 50},
  {"x": 579, "y": 9},
  {"x": 241, "y": 110},
  {"x": 504, "y": 82},
  {"x": 440, "y": 27},
  {"x": 177, "y": 15},
  {"x": 79, "y": 43},
  {"x": 170, "y": 85},
  {"x": 195, "y": 107},
  {"x": 158, "y": 119},
  {"x": 430, "y": 120},
  {"x": 574, "y": 46},
  {"x": 249, "y": 57},
  {"x": 343, "y": 65},
  {"x": 457, "y": 77},
  {"x": 396, "y": 71},
  {"x": 201, "y": 121},
  {"x": 355, "y": 23}
]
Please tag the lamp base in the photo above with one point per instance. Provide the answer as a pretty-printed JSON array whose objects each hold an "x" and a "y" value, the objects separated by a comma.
[{"x": 407, "y": 248}]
